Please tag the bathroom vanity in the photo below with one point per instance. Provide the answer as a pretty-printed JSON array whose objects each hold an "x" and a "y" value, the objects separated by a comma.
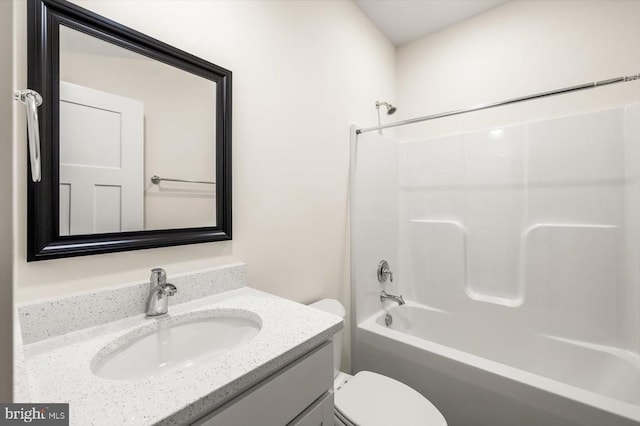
[
  {"x": 258, "y": 358},
  {"x": 301, "y": 390}
]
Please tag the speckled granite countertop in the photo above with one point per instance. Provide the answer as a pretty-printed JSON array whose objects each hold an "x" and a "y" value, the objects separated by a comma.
[{"x": 58, "y": 368}]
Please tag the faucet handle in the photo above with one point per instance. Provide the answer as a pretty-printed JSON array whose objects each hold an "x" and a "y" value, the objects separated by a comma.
[
  {"x": 384, "y": 272},
  {"x": 169, "y": 289},
  {"x": 158, "y": 276}
]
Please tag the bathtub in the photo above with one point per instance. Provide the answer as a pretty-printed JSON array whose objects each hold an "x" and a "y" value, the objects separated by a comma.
[{"x": 479, "y": 372}]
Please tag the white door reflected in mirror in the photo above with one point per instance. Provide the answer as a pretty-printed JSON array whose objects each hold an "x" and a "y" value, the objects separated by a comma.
[{"x": 101, "y": 162}]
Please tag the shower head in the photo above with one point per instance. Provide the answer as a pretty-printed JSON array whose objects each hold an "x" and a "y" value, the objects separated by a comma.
[{"x": 390, "y": 108}]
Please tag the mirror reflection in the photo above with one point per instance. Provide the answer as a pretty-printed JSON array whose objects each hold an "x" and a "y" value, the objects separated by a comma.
[{"x": 125, "y": 118}]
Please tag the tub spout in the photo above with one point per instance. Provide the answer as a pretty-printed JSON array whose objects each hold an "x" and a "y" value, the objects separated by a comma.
[{"x": 385, "y": 296}]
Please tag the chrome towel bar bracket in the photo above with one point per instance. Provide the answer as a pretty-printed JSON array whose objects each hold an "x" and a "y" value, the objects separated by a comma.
[{"x": 32, "y": 100}]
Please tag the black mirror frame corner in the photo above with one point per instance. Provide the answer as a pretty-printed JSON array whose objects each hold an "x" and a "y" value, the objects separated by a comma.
[{"x": 43, "y": 236}]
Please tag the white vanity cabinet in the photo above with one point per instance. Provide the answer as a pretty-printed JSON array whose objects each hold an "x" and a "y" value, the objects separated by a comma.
[
  {"x": 300, "y": 394},
  {"x": 320, "y": 413}
]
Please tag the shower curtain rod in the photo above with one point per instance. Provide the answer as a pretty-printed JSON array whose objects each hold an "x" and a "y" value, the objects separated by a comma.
[{"x": 592, "y": 85}]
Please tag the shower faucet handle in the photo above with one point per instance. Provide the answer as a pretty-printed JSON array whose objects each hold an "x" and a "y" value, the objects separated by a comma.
[{"x": 384, "y": 272}]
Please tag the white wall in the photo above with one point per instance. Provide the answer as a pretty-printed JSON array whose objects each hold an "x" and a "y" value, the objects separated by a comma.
[
  {"x": 521, "y": 48},
  {"x": 302, "y": 72},
  {"x": 517, "y": 49},
  {"x": 6, "y": 218}
]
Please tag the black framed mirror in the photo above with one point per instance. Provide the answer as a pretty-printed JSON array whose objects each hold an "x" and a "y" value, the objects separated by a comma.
[{"x": 135, "y": 138}]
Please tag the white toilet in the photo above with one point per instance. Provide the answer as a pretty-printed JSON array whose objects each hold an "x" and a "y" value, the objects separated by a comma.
[{"x": 371, "y": 399}]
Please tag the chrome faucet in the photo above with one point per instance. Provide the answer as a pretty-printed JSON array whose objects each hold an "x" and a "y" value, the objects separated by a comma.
[
  {"x": 159, "y": 292},
  {"x": 385, "y": 296}
]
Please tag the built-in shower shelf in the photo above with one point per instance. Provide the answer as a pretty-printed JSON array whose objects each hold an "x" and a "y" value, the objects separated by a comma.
[
  {"x": 440, "y": 252},
  {"x": 564, "y": 261},
  {"x": 567, "y": 225},
  {"x": 496, "y": 300}
]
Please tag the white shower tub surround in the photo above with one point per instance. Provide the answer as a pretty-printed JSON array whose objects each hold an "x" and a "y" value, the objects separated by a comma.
[
  {"x": 521, "y": 240},
  {"x": 482, "y": 371}
]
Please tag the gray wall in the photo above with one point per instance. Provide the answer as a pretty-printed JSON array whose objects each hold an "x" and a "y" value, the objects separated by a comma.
[{"x": 6, "y": 196}]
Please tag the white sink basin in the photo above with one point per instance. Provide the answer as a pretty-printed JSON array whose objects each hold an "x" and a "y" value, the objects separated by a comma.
[{"x": 172, "y": 343}]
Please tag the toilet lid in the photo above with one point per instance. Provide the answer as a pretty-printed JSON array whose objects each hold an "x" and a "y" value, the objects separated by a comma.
[{"x": 370, "y": 399}]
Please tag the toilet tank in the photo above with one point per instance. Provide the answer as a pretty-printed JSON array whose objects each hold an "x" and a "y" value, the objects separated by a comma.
[{"x": 334, "y": 307}]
